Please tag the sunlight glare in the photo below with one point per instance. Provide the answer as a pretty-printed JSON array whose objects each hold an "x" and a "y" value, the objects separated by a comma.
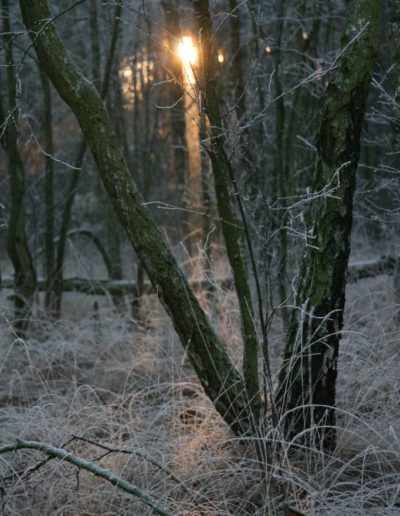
[{"x": 187, "y": 51}]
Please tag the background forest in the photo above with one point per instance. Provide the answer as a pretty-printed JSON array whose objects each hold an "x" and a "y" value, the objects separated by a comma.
[{"x": 199, "y": 272}]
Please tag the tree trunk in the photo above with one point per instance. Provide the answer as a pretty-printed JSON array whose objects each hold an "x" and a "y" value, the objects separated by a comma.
[
  {"x": 17, "y": 242},
  {"x": 280, "y": 181},
  {"x": 306, "y": 393},
  {"x": 95, "y": 45},
  {"x": 223, "y": 176},
  {"x": 176, "y": 94},
  {"x": 49, "y": 299},
  {"x": 219, "y": 378}
]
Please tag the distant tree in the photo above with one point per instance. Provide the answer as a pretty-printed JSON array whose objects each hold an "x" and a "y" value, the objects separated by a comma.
[
  {"x": 17, "y": 241},
  {"x": 176, "y": 92},
  {"x": 47, "y": 144},
  {"x": 66, "y": 216}
]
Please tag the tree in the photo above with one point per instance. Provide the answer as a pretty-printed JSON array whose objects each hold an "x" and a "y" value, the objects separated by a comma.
[
  {"x": 17, "y": 241},
  {"x": 218, "y": 376},
  {"x": 308, "y": 377},
  {"x": 49, "y": 253},
  {"x": 306, "y": 393},
  {"x": 224, "y": 182},
  {"x": 176, "y": 93}
]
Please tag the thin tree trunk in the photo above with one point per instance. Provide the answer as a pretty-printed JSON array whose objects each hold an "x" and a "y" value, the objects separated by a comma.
[
  {"x": 280, "y": 181},
  {"x": 176, "y": 94},
  {"x": 308, "y": 376},
  {"x": 95, "y": 44},
  {"x": 49, "y": 298},
  {"x": 237, "y": 61},
  {"x": 205, "y": 187},
  {"x": 17, "y": 242},
  {"x": 219, "y": 378},
  {"x": 115, "y": 106},
  {"x": 223, "y": 175}
]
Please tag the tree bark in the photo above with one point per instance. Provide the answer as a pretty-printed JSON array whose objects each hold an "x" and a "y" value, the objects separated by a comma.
[
  {"x": 219, "y": 378},
  {"x": 307, "y": 388}
]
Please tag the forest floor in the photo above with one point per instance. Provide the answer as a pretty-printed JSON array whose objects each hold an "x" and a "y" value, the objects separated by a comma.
[{"x": 101, "y": 376}]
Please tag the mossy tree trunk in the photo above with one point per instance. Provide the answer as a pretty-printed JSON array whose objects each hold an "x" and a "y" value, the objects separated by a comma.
[
  {"x": 308, "y": 376},
  {"x": 17, "y": 241},
  {"x": 219, "y": 378},
  {"x": 224, "y": 181}
]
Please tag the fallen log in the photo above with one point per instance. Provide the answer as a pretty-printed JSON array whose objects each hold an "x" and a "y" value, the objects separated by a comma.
[
  {"x": 100, "y": 287},
  {"x": 372, "y": 268}
]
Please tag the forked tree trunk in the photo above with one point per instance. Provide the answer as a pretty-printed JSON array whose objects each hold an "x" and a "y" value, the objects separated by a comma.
[
  {"x": 17, "y": 241},
  {"x": 308, "y": 376},
  {"x": 219, "y": 378}
]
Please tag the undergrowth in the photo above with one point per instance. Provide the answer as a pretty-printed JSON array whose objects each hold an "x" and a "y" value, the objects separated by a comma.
[{"x": 101, "y": 376}]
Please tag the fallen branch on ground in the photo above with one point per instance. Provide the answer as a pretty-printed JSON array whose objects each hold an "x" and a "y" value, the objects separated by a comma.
[{"x": 80, "y": 463}]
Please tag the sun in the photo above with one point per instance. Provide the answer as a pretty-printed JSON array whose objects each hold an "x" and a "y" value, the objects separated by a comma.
[{"x": 187, "y": 51}]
